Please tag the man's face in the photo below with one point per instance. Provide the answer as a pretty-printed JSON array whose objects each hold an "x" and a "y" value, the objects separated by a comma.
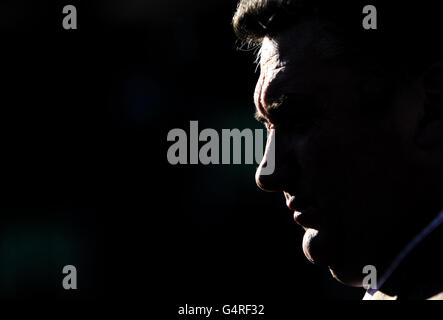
[{"x": 345, "y": 156}]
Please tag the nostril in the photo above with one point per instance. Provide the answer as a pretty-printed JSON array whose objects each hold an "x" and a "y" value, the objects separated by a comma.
[
  {"x": 260, "y": 180},
  {"x": 265, "y": 182}
]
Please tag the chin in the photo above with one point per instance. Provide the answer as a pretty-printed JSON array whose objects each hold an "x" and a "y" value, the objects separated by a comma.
[
  {"x": 346, "y": 276},
  {"x": 315, "y": 247},
  {"x": 320, "y": 249}
]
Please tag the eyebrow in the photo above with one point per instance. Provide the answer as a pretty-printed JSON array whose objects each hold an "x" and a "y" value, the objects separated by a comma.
[
  {"x": 304, "y": 103},
  {"x": 265, "y": 117},
  {"x": 260, "y": 117}
]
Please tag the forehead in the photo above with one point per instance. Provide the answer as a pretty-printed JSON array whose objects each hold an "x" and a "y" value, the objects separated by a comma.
[
  {"x": 289, "y": 60},
  {"x": 308, "y": 39}
]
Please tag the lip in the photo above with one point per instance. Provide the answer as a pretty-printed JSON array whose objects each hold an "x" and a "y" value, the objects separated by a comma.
[
  {"x": 296, "y": 205},
  {"x": 308, "y": 218},
  {"x": 305, "y": 214}
]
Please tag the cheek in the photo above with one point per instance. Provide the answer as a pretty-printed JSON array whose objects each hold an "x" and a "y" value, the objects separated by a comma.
[
  {"x": 324, "y": 161},
  {"x": 349, "y": 164}
]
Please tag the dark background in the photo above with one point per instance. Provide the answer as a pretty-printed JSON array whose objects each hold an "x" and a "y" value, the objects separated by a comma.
[{"x": 85, "y": 179}]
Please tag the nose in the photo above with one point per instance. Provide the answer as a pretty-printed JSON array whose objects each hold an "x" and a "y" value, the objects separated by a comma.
[{"x": 274, "y": 171}]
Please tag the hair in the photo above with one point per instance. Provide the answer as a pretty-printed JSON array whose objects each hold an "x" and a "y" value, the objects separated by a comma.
[
  {"x": 255, "y": 19},
  {"x": 407, "y": 35}
]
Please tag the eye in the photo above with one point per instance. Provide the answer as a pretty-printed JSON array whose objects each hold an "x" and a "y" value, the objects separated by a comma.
[
  {"x": 298, "y": 114},
  {"x": 303, "y": 121},
  {"x": 269, "y": 126}
]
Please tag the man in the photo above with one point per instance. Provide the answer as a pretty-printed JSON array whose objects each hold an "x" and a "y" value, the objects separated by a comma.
[{"x": 356, "y": 119}]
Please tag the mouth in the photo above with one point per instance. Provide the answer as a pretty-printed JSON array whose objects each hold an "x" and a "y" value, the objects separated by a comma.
[{"x": 305, "y": 213}]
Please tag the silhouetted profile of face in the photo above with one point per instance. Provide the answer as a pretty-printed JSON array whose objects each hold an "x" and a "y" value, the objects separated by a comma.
[{"x": 357, "y": 163}]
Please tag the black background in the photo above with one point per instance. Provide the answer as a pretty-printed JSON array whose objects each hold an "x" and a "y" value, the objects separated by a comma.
[{"x": 85, "y": 179}]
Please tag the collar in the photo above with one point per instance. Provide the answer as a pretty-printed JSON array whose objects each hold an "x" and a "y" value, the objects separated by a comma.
[{"x": 375, "y": 293}]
